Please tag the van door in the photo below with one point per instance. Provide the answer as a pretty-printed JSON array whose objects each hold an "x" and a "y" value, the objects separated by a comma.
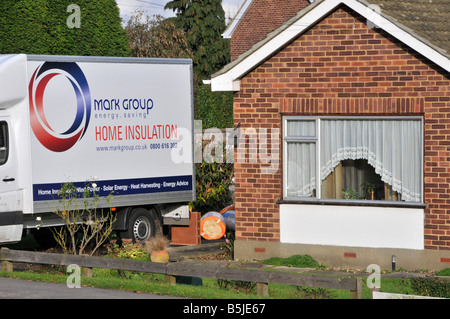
[{"x": 11, "y": 214}]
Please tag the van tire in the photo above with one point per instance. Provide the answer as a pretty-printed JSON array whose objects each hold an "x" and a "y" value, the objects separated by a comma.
[{"x": 140, "y": 226}]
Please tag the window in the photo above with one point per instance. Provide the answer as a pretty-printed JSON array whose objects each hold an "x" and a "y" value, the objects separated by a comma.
[
  {"x": 353, "y": 158},
  {"x": 4, "y": 149},
  {"x": 301, "y": 147}
]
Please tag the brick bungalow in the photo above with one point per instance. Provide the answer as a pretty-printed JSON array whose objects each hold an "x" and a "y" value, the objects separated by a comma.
[{"x": 352, "y": 93}]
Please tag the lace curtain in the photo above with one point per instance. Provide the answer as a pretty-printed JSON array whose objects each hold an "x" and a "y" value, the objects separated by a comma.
[
  {"x": 301, "y": 162},
  {"x": 391, "y": 146}
]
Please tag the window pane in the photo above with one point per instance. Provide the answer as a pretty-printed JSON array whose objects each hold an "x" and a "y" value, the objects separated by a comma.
[
  {"x": 3, "y": 142},
  {"x": 301, "y": 169},
  {"x": 391, "y": 147},
  {"x": 353, "y": 179},
  {"x": 301, "y": 128}
]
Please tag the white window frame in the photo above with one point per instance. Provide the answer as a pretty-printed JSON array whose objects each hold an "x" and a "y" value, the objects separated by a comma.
[{"x": 317, "y": 140}]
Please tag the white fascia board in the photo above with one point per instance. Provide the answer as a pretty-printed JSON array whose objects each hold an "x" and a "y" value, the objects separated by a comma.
[{"x": 227, "y": 81}]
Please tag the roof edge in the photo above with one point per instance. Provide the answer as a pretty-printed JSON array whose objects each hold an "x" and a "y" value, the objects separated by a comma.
[
  {"x": 227, "y": 34},
  {"x": 228, "y": 78},
  {"x": 237, "y": 18},
  {"x": 270, "y": 36}
]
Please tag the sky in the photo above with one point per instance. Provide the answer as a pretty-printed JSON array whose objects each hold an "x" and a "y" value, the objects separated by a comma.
[{"x": 157, "y": 7}]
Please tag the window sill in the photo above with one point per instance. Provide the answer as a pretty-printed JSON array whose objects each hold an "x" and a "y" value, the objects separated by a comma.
[{"x": 340, "y": 202}]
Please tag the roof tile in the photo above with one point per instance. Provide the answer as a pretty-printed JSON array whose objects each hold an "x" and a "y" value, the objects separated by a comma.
[{"x": 428, "y": 19}]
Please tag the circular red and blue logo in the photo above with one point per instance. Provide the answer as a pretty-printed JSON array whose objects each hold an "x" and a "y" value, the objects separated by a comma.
[{"x": 59, "y": 141}]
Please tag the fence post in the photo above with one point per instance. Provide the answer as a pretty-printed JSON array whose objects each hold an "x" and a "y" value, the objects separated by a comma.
[
  {"x": 262, "y": 289},
  {"x": 86, "y": 272},
  {"x": 357, "y": 294},
  {"x": 7, "y": 266},
  {"x": 171, "y": 280}
]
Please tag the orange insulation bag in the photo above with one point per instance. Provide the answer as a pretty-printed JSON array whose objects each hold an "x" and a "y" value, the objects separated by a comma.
[{"x": 212, "y": 226}]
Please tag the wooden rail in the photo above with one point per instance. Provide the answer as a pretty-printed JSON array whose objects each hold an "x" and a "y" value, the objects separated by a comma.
[{"x": 261, "y": 277}]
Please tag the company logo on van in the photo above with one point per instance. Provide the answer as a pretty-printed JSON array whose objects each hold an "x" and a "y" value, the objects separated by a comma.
[{"x": 52, "y": 140}]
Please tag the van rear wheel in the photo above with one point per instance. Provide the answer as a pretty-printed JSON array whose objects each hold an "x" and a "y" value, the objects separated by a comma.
[{"x": 141, "y": 226}]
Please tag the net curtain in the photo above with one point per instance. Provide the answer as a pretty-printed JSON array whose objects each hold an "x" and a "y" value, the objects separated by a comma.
[{"x": 392, "y": 147}]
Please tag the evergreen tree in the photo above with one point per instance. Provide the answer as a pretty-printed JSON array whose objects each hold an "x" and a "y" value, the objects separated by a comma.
[
  {"x": 41, "y": 27},
  {"x": 204, "y": 22}
]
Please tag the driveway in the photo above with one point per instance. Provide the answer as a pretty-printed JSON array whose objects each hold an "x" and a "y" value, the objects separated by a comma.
[{"x": 11, "y": 288}]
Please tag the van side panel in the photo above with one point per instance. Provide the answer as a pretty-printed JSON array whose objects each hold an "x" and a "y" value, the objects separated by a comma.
[{"x": 122, "y": 126}]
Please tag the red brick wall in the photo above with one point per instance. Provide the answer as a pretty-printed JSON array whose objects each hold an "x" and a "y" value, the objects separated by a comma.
[
  {"x": 262, "y": 17},
  {"x": 340, "y": 66}
]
